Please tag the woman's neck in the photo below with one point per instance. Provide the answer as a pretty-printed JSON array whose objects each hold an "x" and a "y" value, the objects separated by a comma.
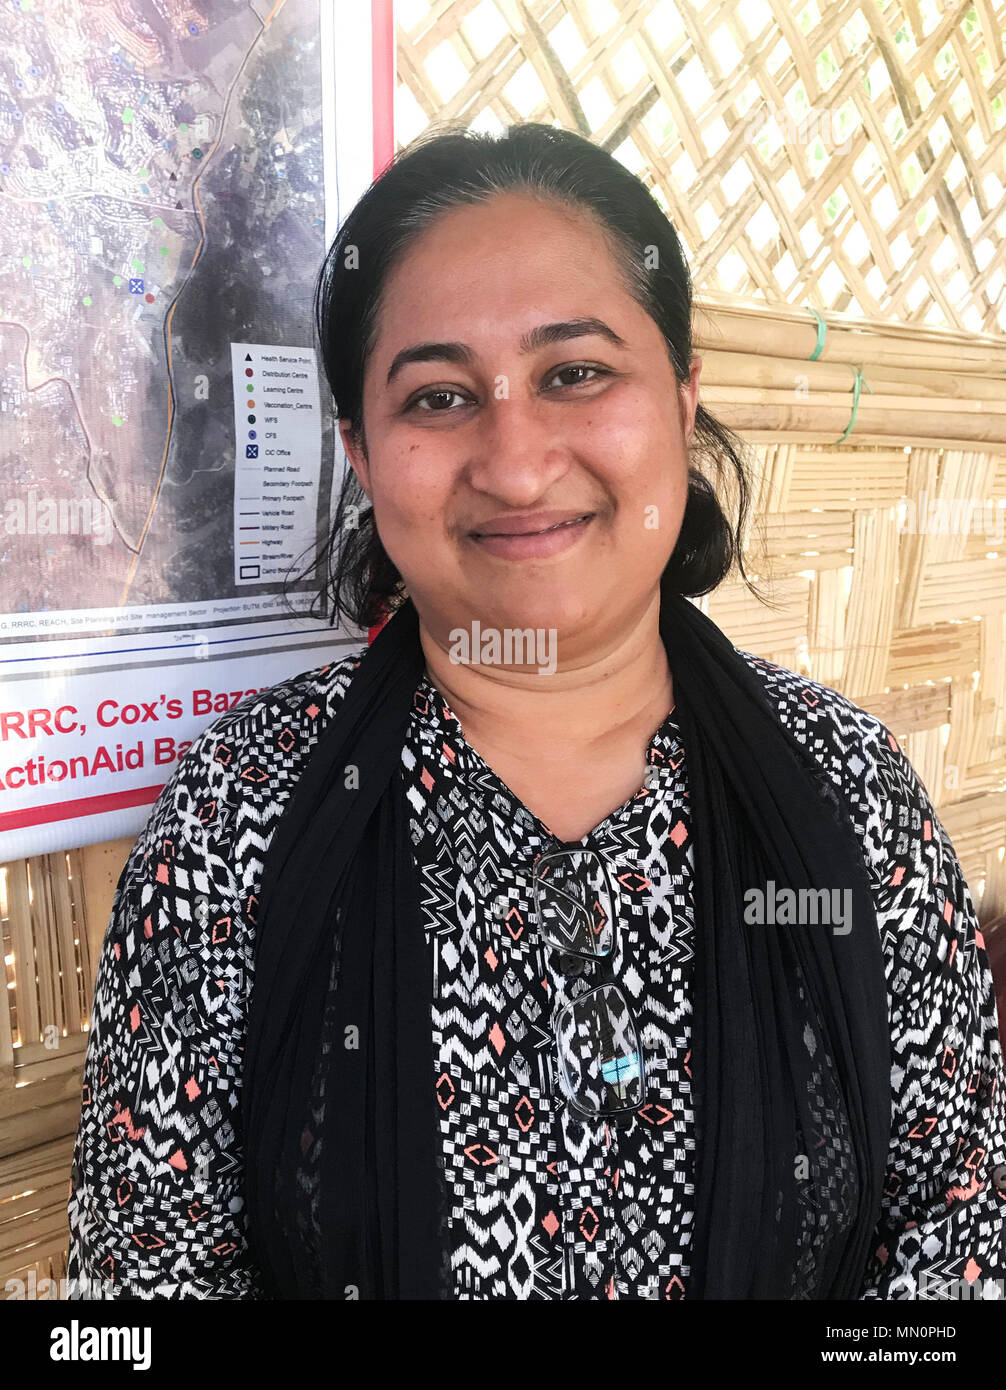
[{"x": 621, "y": 692}]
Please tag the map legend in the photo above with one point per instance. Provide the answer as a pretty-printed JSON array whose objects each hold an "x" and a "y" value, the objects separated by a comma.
[{"x": 277, "y": 460}]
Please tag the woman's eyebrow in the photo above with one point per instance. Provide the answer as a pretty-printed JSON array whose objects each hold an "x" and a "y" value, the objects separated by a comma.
[{"x": 542, "y": 336}]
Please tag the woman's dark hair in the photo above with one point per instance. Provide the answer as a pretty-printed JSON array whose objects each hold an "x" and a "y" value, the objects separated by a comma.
[{"x": 450, "y": 166}]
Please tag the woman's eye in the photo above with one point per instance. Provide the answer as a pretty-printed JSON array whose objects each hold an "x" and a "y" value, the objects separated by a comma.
[
  {"x": 579, "y": 367},
  {"x": 433, "y": 395}
]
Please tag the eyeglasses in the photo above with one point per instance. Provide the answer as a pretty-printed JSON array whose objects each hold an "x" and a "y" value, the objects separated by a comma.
[{"x": 601, "y": 1061}]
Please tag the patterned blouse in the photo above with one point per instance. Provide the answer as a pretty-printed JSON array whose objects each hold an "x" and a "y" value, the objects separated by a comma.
[{"x": 541, "y": 1202}]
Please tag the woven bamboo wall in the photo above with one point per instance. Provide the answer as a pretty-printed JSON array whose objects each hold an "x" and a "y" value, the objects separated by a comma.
[{"x": 841, "y": 162}]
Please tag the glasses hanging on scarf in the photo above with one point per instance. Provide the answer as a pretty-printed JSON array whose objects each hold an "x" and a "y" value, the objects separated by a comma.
[{"x": 601, "y": 1063}]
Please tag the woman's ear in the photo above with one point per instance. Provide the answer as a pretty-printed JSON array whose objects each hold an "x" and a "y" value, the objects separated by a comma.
[
  {"x": 355, "y": 447},
  {"x": 690, "y": 398}
]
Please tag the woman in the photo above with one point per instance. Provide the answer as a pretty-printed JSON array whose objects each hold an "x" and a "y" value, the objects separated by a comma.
[{"x": 623, "y": 965}]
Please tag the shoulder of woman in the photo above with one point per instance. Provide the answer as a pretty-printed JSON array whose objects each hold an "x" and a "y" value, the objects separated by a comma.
[
  {"x": 905, "y": 845},
  {"x": 222, "y": 796},
  {"x": 275, "y": 724},
  {"x": 843, "y": 737}
]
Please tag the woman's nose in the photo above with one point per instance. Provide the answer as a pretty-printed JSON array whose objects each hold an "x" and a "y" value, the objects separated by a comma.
[{"x": 513, "y": 457}]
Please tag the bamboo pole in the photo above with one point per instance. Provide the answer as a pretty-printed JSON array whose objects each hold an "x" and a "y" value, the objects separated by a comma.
[
  {"x": 819, "y": 421},
  {"x": 780, "y": 373},
  {"x": 870, "y": 402},
  {"x": 780, "y": 332}
]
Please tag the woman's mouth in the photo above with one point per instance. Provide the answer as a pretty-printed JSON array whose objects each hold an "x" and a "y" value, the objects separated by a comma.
[{"x": 527, "y": 545}]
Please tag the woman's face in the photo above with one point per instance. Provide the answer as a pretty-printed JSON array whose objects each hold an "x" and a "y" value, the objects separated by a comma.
[{"x": 477, "y": 427}]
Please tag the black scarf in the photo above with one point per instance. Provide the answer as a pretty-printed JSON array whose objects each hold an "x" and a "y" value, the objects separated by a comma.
[{"x": 790, "y": 1059}]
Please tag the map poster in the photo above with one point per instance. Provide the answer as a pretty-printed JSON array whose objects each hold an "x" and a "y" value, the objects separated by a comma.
[{"x": 171, "y": 174}]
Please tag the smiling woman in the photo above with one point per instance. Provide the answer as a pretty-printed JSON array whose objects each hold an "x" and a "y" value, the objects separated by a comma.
[
  {"x": 485, "y": 1000},
  {"x": 506, "y": 245}
]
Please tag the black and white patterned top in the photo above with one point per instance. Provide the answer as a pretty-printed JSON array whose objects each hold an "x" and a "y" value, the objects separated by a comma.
[{"x": 542, "y": 1203}]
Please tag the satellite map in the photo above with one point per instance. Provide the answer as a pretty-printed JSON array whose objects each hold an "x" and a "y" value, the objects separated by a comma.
[{"x": 161, "y": 197}]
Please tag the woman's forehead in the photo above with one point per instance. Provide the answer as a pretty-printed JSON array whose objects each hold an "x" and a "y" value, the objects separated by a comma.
[{"x": 510, "y": 304}]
